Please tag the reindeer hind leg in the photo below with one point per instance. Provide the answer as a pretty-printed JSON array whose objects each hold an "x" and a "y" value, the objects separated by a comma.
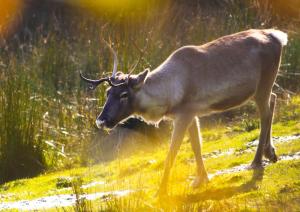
[{"x": 269, "y": 149}]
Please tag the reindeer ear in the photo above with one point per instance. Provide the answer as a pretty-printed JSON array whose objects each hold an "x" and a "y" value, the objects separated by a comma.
[{"x": 138, "y": 80}]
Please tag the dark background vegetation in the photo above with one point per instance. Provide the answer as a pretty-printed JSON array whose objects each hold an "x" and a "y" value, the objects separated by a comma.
[{"x": 47, "y": 114}]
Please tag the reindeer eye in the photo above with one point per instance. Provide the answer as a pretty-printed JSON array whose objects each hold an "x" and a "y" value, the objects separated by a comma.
[{"x": 124, "y": 95}]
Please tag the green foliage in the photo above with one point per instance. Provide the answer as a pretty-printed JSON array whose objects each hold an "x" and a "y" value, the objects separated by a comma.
[
  {"x": 248, "y": 124},
  {"x": 289, "y": 77},
  {"x": 81, "y": 204},
  {"x": 63, "y": 182},
  {"x": 21, "y": 146},
  {"x": 289, "y": 111}
]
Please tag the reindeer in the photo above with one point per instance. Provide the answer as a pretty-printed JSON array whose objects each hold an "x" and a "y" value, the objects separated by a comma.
[{"x": 195, "y": 81}]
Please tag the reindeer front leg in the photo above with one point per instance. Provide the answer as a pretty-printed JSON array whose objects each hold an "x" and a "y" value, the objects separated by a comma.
[
  {"x": 181, "y": 124},
  {"x": 195, "y": 137}
]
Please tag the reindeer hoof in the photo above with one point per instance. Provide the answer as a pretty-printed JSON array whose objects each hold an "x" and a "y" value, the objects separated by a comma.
[
  {"x": 274, "y": 159},
  {"x": 198, "y": 181},
  {"x": 270, "y": 154},
  {"x": 256, "y": 165}
]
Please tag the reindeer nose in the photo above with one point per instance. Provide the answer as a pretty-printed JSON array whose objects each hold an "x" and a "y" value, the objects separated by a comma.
[{"x": 100, "y": 123}]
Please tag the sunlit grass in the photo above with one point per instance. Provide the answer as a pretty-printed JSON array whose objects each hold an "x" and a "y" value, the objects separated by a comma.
[
  {"x": 143, "y": 170},
  {"x": 233, "y": 190}
]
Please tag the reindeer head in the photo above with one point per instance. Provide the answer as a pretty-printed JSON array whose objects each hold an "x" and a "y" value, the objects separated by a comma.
[{"x": 119, "y": 103}]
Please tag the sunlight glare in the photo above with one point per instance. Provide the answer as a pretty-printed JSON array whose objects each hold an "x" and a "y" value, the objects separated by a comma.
[
  {"x": 115, "y": 8},
  {"x": 11, "y": 12}
]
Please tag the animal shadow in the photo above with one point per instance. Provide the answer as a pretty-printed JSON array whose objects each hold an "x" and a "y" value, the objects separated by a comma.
[{"x": 221, "y": 193}]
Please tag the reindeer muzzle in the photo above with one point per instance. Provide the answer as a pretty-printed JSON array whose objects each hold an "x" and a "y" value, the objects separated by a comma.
[{"x": 100, "y": 124}]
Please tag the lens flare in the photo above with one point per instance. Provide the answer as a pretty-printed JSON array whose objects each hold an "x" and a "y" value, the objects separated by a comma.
[
  {"x": 284, "y": 8},
  {"x": 116, "y": 8},
  {"x": 11, "y": 13}
]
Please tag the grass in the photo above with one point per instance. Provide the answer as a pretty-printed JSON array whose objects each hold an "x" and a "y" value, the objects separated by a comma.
[
  {"x": 277, "y": 187},
  {"x": 21, "y": 127}
]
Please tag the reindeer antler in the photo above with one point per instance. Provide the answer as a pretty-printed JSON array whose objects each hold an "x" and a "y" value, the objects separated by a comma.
[
  {"x": 142, "y": 53},
  {"x": 95, "y": 83},
  {"x": 115, "y": 58}
]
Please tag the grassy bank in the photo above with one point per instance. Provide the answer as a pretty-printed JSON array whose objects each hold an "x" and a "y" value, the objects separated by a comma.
[
  {"x": 225, "y": 146},
  {"x": 275, "y": 188}
]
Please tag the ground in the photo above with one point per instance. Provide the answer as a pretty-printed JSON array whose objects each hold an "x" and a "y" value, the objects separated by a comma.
[{"x": 130, "y": 183}]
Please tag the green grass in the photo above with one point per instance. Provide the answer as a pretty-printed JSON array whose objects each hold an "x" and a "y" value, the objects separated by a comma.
[
  {"x": 21, "y": 126},
  {"x": 275, "y": 188}
]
